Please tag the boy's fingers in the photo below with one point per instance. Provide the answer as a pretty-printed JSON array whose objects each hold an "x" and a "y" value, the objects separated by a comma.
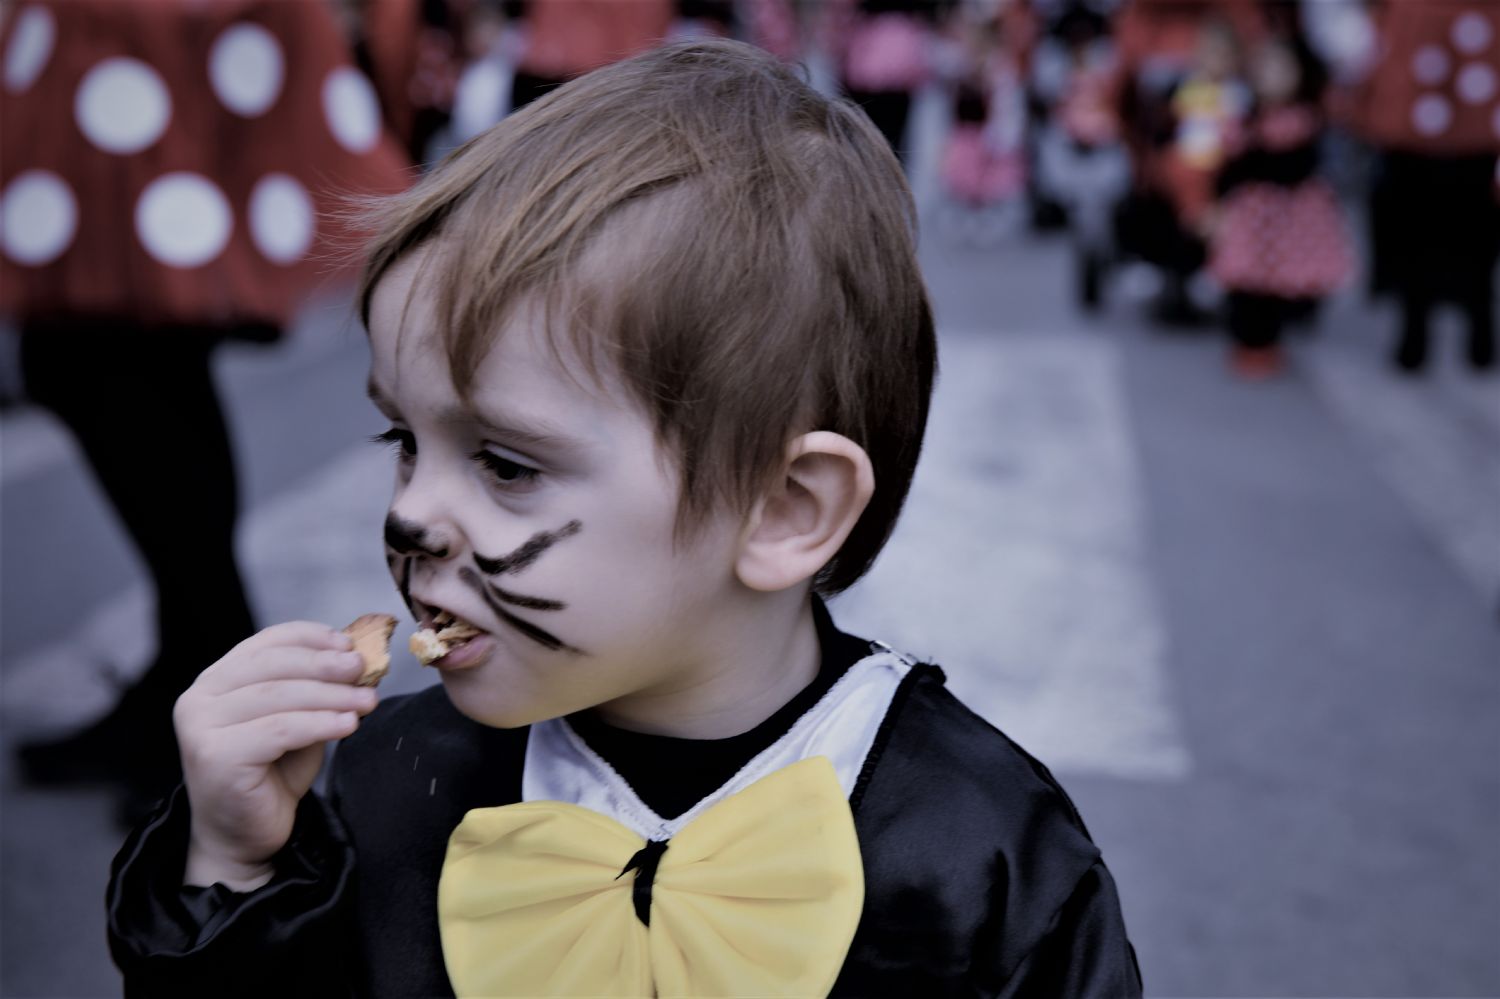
[
  {"x": 283, "y": 663},
  {"x": 305, "y": 634},
  {"x": 267, "y": 739},
  {"x": 273, "y": 697}
]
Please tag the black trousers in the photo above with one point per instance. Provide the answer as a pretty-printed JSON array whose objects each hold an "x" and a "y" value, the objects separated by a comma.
[
  {"x": 1437, "y": 236},
  {"x": 142, "y": 404}
]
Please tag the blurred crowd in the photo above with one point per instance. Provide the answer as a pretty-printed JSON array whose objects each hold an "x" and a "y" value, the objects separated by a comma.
[
  {"x": 1258, "y": 155},
  {"x": 174, "y": 175}
]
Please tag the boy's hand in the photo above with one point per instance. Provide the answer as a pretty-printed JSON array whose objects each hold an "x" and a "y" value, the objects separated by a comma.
[{"x": 251, "y": 730}]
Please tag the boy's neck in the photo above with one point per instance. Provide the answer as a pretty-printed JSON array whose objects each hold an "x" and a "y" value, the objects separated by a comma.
[{"x": 762, "y": 659}]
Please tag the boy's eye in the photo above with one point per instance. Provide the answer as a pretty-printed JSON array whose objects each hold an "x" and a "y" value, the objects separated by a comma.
[
  {"x": 404, "y": 441},
  {"x": 505, "y": 471}
]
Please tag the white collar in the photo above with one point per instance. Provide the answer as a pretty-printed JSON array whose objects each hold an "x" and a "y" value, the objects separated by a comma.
[{"x": 560, "y": 766}]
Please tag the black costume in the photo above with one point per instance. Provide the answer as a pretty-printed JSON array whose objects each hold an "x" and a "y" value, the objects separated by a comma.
[{"x": 980, "y": 878}]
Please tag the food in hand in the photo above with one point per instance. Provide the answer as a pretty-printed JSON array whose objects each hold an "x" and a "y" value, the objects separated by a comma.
[
  {"x": 372, "y": 640},
  {"x": 440, "y": 638}
]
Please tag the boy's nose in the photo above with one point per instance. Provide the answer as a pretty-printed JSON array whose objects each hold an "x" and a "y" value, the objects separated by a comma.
[
  {"x": 410, "y": 537},
  {"x": 420, "y": 521}
]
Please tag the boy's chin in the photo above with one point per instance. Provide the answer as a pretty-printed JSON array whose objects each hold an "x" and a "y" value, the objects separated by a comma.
[{"x": 475, "y": 705}]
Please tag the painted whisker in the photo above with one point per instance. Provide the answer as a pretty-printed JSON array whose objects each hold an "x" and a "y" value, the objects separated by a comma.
[
  {"x": 521, "y": 600},
  {"x": 403, "y": 585},
  {"x": 530, "y": 550},
  {"x": 542, "y": 637}
]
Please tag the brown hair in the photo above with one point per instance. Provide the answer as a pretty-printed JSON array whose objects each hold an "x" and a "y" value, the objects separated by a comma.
[{"x": 740, "y": 249}]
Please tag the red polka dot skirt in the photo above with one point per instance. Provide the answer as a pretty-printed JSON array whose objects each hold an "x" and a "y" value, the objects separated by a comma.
[{"x": 1289, "y": 242}]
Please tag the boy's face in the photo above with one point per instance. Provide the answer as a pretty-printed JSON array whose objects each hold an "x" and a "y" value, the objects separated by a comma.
[{"x": 543, "y": 515}]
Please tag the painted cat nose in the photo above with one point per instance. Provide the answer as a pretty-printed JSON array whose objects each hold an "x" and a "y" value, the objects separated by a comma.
[{"x": 407, "y": 537}]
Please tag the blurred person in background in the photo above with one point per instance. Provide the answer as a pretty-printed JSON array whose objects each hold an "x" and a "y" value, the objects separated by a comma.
[
  {"x": 1208, "y": 109},
  {"x": 1278, "y": 239},
  {"x": 168, "y": 168},
  {"x": 495, "y": 38},
  {"x": 1081, "y": 157},
  {"x": 1179, "y": 93},
  {"x": 883, "y": 52},
  {"x": 983, "y": 159},
  {"x": 567, "y": 38},
  {"x": 1432, "y": 106},
  {"x": 413, "y": 52}
]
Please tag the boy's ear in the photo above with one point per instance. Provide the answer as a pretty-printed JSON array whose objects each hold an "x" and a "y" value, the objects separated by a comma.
[{"x": 826, "y": 481}]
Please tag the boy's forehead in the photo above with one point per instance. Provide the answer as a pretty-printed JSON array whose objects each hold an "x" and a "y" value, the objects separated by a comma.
[
  {"x": 524, "y": 352},
  {"x": 402, "y": 302},
  {"x": 549, "y": 320}
]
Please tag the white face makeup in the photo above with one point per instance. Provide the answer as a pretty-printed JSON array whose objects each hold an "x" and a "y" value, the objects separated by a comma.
[{"x": 542, "y": 514}]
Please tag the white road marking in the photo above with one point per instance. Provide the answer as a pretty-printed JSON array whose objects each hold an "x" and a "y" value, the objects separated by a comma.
[{"x": 1019, "y": 563}]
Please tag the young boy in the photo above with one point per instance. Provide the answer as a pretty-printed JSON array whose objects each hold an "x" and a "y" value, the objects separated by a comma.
[{"x": 657, "y": 358}]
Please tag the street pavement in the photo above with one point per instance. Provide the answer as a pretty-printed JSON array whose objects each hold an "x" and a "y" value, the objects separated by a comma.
[{"x": 1253, "y": 628}]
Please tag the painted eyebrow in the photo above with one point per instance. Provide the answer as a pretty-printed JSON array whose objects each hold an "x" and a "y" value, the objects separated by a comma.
[{"x": 540, "y": 435}]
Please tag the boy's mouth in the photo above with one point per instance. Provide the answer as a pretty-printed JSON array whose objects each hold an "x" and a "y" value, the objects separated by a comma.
[{"x": 442, "y": 635}]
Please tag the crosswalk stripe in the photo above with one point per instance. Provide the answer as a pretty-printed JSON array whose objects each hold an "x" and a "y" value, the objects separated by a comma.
[{"x": 1019, "y": 564}]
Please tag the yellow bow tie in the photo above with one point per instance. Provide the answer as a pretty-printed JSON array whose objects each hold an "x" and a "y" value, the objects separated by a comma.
[{"x": 758, "y": 896}]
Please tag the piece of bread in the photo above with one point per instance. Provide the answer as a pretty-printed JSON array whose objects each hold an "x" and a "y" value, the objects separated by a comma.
[
  {"x": 431, "y": 644},
  {"x": 372, "y": 640}
]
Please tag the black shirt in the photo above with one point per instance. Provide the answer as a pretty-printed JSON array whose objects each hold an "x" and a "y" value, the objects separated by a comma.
[{"x": 671, "y": 775}]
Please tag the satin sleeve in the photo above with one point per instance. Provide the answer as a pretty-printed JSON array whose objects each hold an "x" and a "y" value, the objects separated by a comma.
[
  {"x": 289, "y": 938},
  {"x": 1085, "y": 954}
]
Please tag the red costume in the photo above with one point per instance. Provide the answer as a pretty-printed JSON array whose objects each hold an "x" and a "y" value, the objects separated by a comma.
[
  {"x": 179, "y": 163},
  {"x": 1436, "y": 89}
]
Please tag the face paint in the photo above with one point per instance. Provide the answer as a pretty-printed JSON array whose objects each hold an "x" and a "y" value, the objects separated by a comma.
[
  {"x": 521, "y": 600},
  {"x": 406, "y": 538},
  {"x": 517, "y": 561},
  {"x": 404, "y": 586},
  {"x": 542, "y": 637},
  {"x": 529, "y": 552}
]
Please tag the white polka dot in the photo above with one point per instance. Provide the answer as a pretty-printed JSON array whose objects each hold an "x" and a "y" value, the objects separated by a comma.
[
  {"x": 183, "y": 220},
  {"x": 281, "y": 218},
  {"x": 352, "y": 111},
  {"x": 1431, "y": 115},
  {"x": 30, "y": 47},
  {"x": 246, "y": 69},
  {"x": 1430, "y": 65},
  {"x": 1472, "y": 33},
  {"x": 122, "y": 105},
  {"x": 38, "y": 218},
  {"x": 1476, "y": 83}
]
